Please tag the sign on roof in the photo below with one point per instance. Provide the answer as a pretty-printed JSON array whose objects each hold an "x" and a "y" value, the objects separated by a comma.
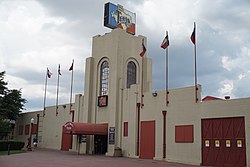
[{"x": 115, "y": 16}]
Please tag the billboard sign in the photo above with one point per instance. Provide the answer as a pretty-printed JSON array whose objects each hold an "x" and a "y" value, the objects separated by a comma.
[{"x": 115, "y": 16}]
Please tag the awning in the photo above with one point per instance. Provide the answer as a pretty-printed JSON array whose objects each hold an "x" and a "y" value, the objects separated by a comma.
[{"x": 85, "y": 128}]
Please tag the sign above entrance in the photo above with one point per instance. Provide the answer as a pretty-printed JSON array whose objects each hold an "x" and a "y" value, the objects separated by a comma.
[{"x": 115, "y": 16}]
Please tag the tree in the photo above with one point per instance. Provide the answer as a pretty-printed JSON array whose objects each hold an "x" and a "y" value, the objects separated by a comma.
[{"x": 11, "y": 104}]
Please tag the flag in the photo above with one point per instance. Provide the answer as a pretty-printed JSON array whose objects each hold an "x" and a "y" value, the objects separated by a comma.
[
  {"x": 59, "y": 70},
  {"x": 193, "y": 35},
  {"x": 165, "y": 42},
  {"x": 49, "y": 73},
  {"x": 71, "y": 67},
  {"x": 143, "y": 49}
]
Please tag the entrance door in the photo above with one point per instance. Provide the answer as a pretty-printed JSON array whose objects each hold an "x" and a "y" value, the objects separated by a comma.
[
  {"x": 100, "y": 144},
  {"x": 147, "y": 140},
  {"x": 223, "y": 142},
  {"x": 66, "y": 142}
]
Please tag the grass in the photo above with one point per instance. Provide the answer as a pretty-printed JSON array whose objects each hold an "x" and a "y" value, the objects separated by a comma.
[{"x": 11, "y": 152}]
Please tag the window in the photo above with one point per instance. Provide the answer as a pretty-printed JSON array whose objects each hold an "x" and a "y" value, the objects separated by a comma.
[
  {"x": 104, "y": 78},
  {"x": 125, "y": 130},
  {"x": 131, "y": 74},
  {"x": 184, "y": 134},
  {"x": 20, "y": 130},
  {"x": 27, "y": 129}
]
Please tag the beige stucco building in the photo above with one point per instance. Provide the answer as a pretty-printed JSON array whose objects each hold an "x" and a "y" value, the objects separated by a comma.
[{"x": 118, "y": 110}]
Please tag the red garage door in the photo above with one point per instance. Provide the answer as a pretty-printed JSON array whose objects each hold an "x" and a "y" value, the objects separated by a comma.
[
  {"x": 223, "y": 142},
  {"x": 147, "y": 140}
]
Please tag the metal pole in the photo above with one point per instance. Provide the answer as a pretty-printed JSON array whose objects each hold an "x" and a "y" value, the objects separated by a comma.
[
  {"x": 45, "y": 90},
  {"x": 167, "y": 73},
  {"x": 195, "y": 68},
  {"x": 29, "y": 147},
  {"x": 57, "y": 90},
  {"x": 71, "y": 88},
  {"x": 142, "y": 95}
]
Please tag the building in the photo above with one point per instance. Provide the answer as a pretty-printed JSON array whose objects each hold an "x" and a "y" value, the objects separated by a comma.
[{"x": 119, "y": 113}]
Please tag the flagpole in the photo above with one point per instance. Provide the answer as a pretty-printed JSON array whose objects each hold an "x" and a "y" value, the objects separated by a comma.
[
  {"x": 45, "y": 90},
  {"x": 142, "y": 95},
  {"x": 167, "y": 73},
  {"x": 57, "y": 91},
  {"x": 195, "y": 68},
  {"x": 71, "y": 88}
]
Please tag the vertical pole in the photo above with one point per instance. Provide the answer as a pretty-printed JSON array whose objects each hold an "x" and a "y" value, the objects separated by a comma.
[
  {"x": 30, "y": 137},
  {"x": 142, "y": 95},
  {"x": 164, "y": 133},
  {"x": 167, "y": 74},
  {"x": 37, "y": 128},
  {"x": 195, "y": 68},
  {"x": 71, "y": 88},
  {"x": 138, "y": 128},
  {"x": 57, "y": 90},
  {"x": 45, "y": 91}
]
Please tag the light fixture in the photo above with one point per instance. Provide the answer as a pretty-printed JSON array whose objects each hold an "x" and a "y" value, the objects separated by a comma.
[
  {"x": 32, "y": 120},
  {"x": 154, "y": 94}
]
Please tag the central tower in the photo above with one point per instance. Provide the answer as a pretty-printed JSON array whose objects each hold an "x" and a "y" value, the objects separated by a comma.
[{"x": 115, "y": 67}]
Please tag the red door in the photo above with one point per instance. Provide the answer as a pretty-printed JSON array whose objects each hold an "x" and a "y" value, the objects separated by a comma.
[
  {"x": 223, "y": 142},
  {"x": 147, "y": 140},
  {"x": 66, "y": 141}
]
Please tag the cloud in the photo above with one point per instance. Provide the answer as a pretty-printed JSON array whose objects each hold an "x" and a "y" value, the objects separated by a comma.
[{"x": 31, "y": 41}]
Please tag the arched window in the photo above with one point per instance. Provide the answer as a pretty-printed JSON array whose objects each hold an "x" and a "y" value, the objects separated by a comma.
[
  {"x": 131, "y": 74},
  {"x": 104, "y": 78}
]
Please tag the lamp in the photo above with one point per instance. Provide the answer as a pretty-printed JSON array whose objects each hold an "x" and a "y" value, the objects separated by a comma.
[
  {"x": 154, "y": 94},
  {"x": 32, "y": 120}
]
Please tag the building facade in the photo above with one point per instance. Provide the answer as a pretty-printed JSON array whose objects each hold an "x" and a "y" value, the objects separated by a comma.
[{"x": 118, "y": 113}]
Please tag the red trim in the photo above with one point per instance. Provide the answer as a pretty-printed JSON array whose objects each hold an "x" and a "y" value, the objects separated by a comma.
[
  {"x": 85, "y": 128},
  {"x": 184, "y": 134},
  {"x": 209, "y": 98},
  {"x": 125, "y": 132},
  {"x": 138, "y": 128}
]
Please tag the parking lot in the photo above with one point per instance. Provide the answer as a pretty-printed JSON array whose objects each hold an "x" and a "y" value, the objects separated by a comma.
[{"x": 55, "y": 158}]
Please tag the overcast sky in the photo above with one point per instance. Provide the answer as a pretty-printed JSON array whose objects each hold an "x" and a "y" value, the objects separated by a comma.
[{"x": 36, "y": 34}]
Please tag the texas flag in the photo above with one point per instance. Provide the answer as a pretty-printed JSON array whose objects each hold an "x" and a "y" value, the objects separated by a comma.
[
  {"x": 143, "y": 49},
  {"x": 193, "y": 35},
  {"x": 165, "y": 42}
]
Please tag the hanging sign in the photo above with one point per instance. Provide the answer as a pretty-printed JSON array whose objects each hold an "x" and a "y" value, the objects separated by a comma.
[
  {"x": 102, "y": 101},
  {"x": 111, "y": 135},
  {"x": 83, "y": 138}
]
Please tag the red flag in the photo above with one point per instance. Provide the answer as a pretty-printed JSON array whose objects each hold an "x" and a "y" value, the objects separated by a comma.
[
  {"x": 72, "y": 66},
  {"x": 165, "y": 42},
  {"x": 49, "y": 73},
  {"x": 193, "y": 35},
  {"x": 143, "y": 49},
  {"x": 59, "y": 70}
]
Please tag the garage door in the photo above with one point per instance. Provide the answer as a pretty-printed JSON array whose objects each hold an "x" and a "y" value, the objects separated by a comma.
[{"x": 223, "y": 142}]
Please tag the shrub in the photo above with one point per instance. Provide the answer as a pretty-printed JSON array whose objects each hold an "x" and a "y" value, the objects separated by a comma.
[{"x": 14, "y": 145}]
